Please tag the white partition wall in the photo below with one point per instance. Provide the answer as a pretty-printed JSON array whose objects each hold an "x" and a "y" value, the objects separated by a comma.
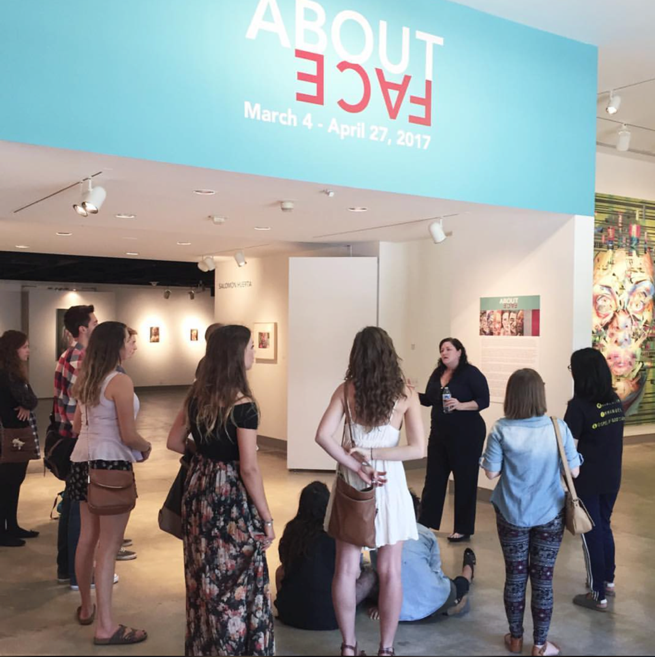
[{"x": 330, "y": 299}]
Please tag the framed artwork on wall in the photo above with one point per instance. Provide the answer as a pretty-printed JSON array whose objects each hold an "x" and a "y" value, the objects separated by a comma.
[
  {"x": 154, "y": 334},
  {"x": 63, "y": 339},
  {"x": 193, "y": 337},
  {"x": 265, "y": 339}
]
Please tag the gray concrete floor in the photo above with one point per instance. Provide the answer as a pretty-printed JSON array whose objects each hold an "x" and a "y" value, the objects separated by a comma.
[{"x": 37, "y": 614}]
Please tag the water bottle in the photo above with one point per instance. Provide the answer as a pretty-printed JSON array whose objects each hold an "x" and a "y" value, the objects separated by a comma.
[{"x": 445, "y": 396}]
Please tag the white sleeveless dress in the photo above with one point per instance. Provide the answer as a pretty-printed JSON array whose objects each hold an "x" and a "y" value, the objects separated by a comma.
[{"x": 395, "y": 519}]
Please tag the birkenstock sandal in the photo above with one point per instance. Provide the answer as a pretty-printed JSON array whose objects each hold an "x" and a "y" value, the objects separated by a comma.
[
  {"x": 85, "y": 621},
  {"x": 122, "y": 636}
]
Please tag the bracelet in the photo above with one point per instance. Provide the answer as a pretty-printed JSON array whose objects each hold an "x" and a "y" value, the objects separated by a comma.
[
  {"x": 371, "y": 453},
  {"x": 268, "y": 523}
]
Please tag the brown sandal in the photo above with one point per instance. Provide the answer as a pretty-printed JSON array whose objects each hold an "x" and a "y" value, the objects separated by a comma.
[
  {"x": 387, "y": 651},
  {"x": 85, "y": 621},
  {"x": 122, "y": 636},
  {"x": 513, "y": 644},
  {"x": 345, "y": 646}
]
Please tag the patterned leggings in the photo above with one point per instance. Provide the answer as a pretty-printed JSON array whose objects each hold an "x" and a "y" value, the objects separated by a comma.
[{"x": 530, "y": 551}]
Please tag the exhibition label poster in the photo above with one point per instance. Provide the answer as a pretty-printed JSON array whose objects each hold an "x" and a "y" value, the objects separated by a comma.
[{"x": 509, "y": 328}]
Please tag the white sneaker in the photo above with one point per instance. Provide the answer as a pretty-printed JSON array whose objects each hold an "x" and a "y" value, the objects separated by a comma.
[{"x": 75, "y": 587}]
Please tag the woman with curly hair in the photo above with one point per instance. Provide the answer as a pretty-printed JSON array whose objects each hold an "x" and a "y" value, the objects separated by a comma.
[
  {"x": 226, "y": 523},
  {"x": 377, "y": 401},
  {"x": 456, "y": 438}
]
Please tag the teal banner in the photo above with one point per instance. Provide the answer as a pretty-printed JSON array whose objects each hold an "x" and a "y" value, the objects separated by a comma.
[{"x": 420, "y": 97}]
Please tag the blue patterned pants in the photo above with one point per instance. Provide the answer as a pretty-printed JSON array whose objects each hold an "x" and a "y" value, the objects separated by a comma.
[{"x": 530, "y": 552}]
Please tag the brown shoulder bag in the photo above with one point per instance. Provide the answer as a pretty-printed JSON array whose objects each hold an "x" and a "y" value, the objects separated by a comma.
[{"x": 352, "y": 517}]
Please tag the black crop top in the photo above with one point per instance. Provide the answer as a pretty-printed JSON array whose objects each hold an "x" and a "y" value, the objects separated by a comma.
[{"x": 222, "y": 444}]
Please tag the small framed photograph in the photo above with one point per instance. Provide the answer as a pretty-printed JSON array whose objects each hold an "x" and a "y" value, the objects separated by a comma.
[
  {"x": 265, "y": 339},
  {"x": 154, "y": 334},
  {"x": 193, "y": 337}
]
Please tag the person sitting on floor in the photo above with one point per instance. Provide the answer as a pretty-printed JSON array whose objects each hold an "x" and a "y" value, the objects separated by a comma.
[
  {"x": 308, "y": 558},
  {"x": 427, "y": 591}
]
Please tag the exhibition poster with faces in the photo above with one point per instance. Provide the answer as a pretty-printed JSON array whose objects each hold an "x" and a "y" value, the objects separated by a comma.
[
  {"x": 509, "y": 331},
  {"x": 622, "y": 313}
]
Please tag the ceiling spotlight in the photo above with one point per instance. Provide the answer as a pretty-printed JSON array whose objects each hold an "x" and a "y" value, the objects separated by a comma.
[
  {"x": 192, "y": 295},
  {"x": 240, "y": 259},
  {"x": 437, "y": 232},
  {"x": 64, "y": 234},
  {"x": 184, "y": 243},
  {"x": 123, "y": 215},
  {"x": 92, "y": 199},
  {"x": 262, "y": 228},
  {"x": 202, "y": 266},
  {"x": 329, "y": 193},
  {"x": 359, "y": 208},
  {"x": 204, "y": 192},
  {"x": 167, "y": 294},
  {"x": 623, "y": 143},
  {"x": 218, "y": 220},
  {"x": 209, "y": 262},
  {"x": 287, "y": 206},
  {"x": 132, "y": 253},
  {"x": 613, "y": 104},
  {"x": 22, "y": 246}
]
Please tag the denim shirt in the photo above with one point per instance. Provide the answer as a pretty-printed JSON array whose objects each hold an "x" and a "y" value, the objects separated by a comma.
[{"x": 525, "y": 452}]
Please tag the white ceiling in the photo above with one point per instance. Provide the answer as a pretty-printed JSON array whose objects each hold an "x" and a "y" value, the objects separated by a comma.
[
  {"x": 167, "y": 211},
  {"x": 161, "y": 195},
  {"x": 624, "y": 33}
]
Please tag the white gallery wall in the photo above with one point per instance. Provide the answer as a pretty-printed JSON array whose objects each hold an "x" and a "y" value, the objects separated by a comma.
[
  {"x": 549, "y": 256},
  {"x": 259, "y": 292},
  {"x": 10, "y": 307},
  {"x": 625, "y": 176},
  {"x": 171, "y": 361},
  {"x": 330, "y": 300}
]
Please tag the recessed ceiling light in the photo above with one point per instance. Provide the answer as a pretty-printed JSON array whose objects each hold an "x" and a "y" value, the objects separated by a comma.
[
  {"x": 358, "y": 208},
  {"x": 184, "y": 243},
  {"x": 262, "y": 228},
  {"x": 125, "y": 216},
  {"x": 204, "y": 192},
  {"x": 64, "y": 234},
  {"x": 22, "y": 246},
  {"x": 132, "y": 253}
]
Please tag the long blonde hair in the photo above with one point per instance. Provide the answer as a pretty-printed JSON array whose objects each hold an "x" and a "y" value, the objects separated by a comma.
[
  {"x": 102, "y": 356},
  {"x": 221, "y": 379}
]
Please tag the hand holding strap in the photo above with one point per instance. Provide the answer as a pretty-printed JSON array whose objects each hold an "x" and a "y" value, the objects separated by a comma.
[{"x": 565, "y": 464}]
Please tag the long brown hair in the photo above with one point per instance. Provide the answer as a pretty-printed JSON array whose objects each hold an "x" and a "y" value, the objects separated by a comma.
[
  {"x": 221, "y": 379},
  {"x": 10, "y": 342},
  {"x": 525, "y": 395},
  {"x": 102, "y": 356},
  {"x": 374, "y": 371}
]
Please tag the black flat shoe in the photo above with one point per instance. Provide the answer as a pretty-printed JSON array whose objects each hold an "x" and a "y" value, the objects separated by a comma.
[
  {"x": 470, "y": 561},
  {"x": 22, "y": 533},
  {"x": 459, "y": 539},
  {"x": 7, "y": 540}
]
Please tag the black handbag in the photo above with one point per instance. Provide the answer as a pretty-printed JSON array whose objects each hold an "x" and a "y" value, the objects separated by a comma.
[
  {"x": 170, "y": 515},
  {"x": 57, "y": 451}
]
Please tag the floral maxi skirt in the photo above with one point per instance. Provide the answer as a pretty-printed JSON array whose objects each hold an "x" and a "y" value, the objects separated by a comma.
[{"x": 228, "y": 603}]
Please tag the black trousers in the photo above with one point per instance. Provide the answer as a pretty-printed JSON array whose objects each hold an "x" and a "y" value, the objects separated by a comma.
[
  {"x": 12, "y": 476},
  {"x": 598, "y": 544},
  {"x": 459, "y": 455}
]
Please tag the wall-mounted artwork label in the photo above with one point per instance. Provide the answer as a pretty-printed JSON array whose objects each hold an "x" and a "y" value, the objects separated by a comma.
[
  {"x": 622, "y": 314},
  {"x": 154, "y": 334},
  {"x": 510, "y": 316},
  {"x": 193, "y": 335},
  {"x": 265, "y": 339},
  {"x": 234, "y": 284}
]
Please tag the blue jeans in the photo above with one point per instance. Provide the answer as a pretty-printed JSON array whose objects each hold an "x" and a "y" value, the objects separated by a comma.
[
  {"x": 68, "y": 535},
  {"x": 598, "y": 544}
]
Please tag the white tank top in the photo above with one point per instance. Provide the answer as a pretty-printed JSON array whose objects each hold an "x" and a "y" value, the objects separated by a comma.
[{"x": 100, "y": 437}]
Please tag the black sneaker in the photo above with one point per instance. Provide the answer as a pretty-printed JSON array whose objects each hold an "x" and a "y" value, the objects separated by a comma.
[
  {"x": 19, "y": 532},
  {"x": 125, "y": 555}
]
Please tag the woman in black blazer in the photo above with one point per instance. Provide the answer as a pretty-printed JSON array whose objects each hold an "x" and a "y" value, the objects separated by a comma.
[{"x": 457, "y": 436}]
